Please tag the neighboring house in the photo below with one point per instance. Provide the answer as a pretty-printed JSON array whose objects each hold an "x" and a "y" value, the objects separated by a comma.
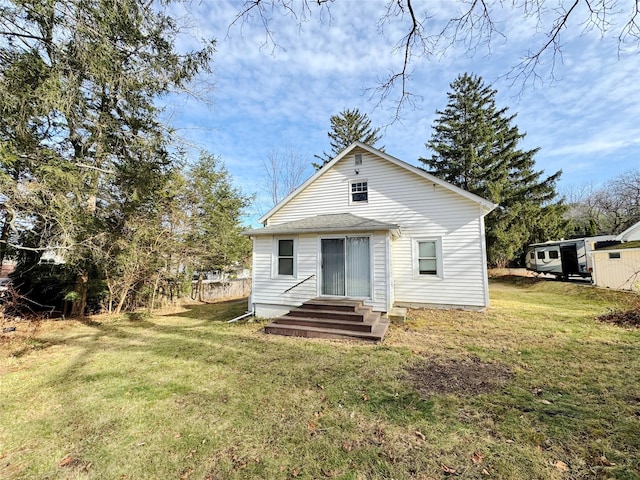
[
  {"x": 52, "y": 256},
  {"x": 7, "y": 267},
  {"x": 370, "y": 227},
  {"x": 618, "y": 266},
  {"x": 630, "y": 234}
]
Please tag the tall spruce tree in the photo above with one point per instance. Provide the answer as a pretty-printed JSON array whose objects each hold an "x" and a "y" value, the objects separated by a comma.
[
  {"x": 476, "y": 148},
  {"x": 347, "y": 127}
]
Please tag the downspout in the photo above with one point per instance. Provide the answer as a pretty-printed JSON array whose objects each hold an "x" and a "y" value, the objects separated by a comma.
[{"x": 245, "y": 315}]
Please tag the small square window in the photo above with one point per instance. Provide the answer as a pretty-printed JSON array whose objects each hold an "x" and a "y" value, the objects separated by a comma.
[
  {"x": 359, "y": 192},
  {"x": 614, "y": 255},
  {"x": 541, "y": 255},
  {"x": 358, "y": 159},
  {"x": 553, "y": 254}
]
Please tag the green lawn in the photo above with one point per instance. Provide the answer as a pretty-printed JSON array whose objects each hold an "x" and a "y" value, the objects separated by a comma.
[{"x": 533, "y": 388}]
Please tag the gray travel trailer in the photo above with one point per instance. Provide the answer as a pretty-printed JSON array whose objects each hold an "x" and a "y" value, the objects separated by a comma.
[{"x": 564, "y": 258}]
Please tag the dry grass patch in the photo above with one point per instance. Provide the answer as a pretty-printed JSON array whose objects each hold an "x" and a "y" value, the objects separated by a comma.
[{"x": 533, "y": 388}]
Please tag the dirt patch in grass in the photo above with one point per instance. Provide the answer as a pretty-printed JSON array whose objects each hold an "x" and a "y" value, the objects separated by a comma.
[
  {"x": 519, "y": 280},
  {"x": 623, "y": 318},
  {"x": 459, "y": 377}
]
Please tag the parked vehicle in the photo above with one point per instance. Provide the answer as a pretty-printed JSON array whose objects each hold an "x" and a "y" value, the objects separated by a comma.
[{"x": 564, "y": 258}]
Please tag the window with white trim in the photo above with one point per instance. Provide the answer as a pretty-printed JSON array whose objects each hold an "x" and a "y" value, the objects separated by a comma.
[
  {"x": 427, "y": 257},
  {"x": 359, "y": 191},
  {"x": 285, "y": 263}
]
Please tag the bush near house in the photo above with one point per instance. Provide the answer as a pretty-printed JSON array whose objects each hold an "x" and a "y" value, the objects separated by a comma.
[{"x": 535, "y": 387}]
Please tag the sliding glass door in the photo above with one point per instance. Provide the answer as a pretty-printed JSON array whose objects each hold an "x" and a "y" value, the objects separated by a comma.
[
  {"x": 346, "y": 267},
  {"x": 333, "y": 272}
]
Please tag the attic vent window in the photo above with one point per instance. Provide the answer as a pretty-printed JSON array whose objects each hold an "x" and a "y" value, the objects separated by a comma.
[{"x": 359, "y": 159}]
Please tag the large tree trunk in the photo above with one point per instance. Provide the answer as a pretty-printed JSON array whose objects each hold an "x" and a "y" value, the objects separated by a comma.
[
  {"x": 126, "y": 287},
  {"x": 80, "y": 303},
  {"x": 4, "y": 237},
  {"x": 155, "y": 291},
  {"x": 200, "y": 286}
]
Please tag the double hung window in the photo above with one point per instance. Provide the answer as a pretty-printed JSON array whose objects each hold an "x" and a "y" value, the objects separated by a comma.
[
  {"x": 286, "y": 257},
  {"x": 359, "y": 192},
  {"x": 427, "y": 257}
]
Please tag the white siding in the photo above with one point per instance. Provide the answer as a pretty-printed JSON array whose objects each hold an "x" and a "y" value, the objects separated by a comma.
[
  {"x": 421, "y": 209},
  {"x": 268, "y": 293},
  {"x": 380, "y": 302},
  {"x": 617, "y": 273},
  {"x": 269, "y": 288}
]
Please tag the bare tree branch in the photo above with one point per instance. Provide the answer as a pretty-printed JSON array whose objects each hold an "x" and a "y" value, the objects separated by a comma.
[{"x": 473, "y": 27}]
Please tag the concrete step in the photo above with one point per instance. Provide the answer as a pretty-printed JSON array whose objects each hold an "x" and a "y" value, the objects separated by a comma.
[{"x": 397, "y": 314}]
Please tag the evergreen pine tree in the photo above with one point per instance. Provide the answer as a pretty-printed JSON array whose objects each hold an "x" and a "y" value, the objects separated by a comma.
[
  {"x": 83, "y": 152},
  {"x": 476, "y": 148},
  {"x": 347, "y": 127}
]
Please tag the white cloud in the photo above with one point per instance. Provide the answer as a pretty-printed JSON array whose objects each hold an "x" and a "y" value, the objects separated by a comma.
[{"x": 585, "y": 122}]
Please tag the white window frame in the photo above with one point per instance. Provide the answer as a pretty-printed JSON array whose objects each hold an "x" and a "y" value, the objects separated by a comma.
[
  {"x": 372, "y": 262},
  {"x": 275, "y": 256},
  {"x": 358, "y": 202},
  {"x": 415, "y": 258}
]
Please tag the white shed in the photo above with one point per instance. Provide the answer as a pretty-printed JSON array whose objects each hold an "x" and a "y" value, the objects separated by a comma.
[{"x": 617, "y": 267}]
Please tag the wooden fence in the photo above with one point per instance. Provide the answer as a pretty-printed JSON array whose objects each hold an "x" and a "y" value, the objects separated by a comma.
[{"x": 214, "y": 291}]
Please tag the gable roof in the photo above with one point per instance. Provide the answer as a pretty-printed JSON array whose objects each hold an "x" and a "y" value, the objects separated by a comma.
[
  {"x": 631, "y": 233},
  {"x": 485, "y": 204},
  {"x": 337, "y": 222}
]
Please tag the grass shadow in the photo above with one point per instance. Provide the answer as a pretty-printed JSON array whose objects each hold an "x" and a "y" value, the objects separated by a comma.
[
  {"x": 519, "y": 280},
  {"x": 213, "y": 312}
]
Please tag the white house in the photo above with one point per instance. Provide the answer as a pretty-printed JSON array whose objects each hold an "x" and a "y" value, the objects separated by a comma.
[
  {"x": 631, "y": 234},
  {"x": 370, "y": 227}
]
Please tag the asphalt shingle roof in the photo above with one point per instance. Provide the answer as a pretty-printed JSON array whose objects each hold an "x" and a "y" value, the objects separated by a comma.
[{"x": 338, "y": 222}]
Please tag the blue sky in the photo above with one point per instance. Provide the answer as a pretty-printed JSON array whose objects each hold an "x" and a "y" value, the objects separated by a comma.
[{"x": 586, "y": 120}]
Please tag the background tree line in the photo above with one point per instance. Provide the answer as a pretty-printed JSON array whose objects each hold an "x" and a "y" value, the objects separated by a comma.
[
  {"x": 475, "y": 146},
  {"x": 87, "y": 167},
  {"x": 608, "y": 209}
]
